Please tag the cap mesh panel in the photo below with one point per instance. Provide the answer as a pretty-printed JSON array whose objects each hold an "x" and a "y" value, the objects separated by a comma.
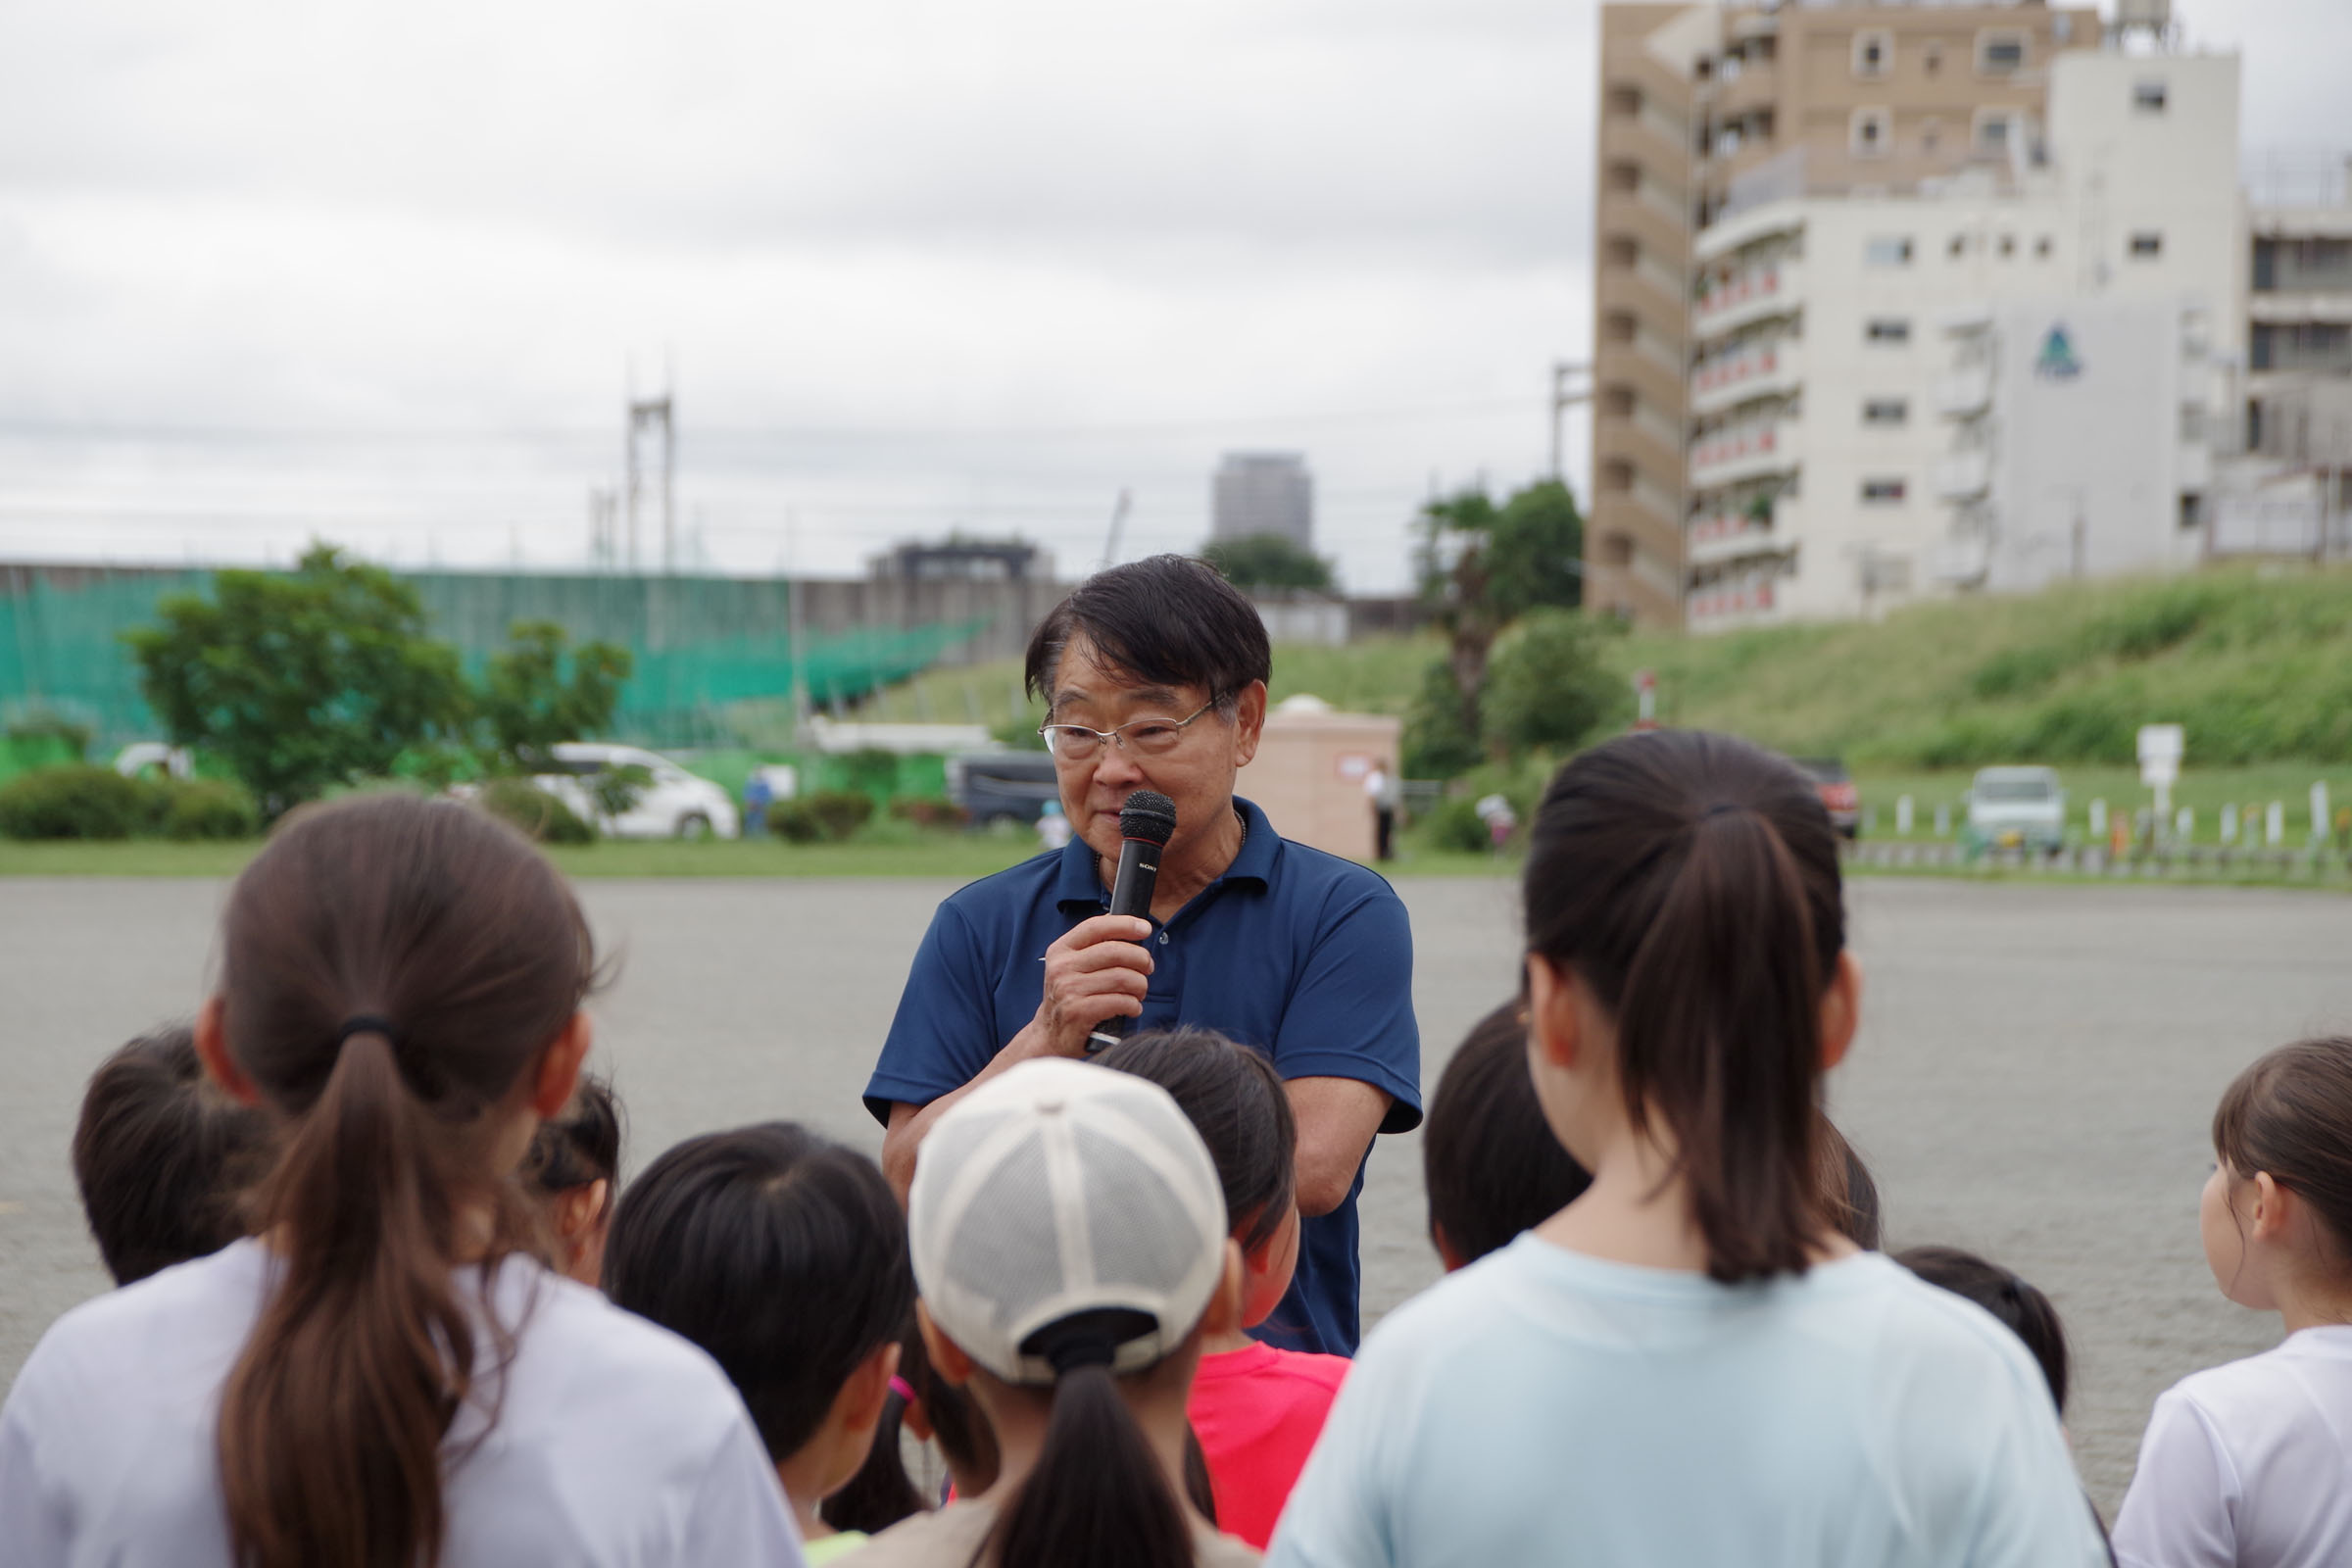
[
  {"x": 1005, "y": 1252},
  {"x": 1140, "y": 1231}
]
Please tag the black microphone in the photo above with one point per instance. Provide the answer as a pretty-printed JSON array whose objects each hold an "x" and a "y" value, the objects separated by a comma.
[{"x": 1145, "y": 822}]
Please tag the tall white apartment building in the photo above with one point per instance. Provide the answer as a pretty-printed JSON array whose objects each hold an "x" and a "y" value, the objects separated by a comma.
[{"x": 1857, "y": 438}]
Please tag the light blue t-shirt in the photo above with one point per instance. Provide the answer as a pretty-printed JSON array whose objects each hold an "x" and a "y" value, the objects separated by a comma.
[{"x": 1542, "y": 1407}]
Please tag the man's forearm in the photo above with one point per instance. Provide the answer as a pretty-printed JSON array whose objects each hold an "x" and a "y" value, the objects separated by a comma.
[{"x": 911, "y": 1125}]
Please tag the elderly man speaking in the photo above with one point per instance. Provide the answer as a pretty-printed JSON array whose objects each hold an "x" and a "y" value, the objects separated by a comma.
[{"x": 1155, "y": 677}]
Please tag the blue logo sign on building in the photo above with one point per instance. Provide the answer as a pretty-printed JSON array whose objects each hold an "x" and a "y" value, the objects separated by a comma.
[{"x": 2056, "y": 362}]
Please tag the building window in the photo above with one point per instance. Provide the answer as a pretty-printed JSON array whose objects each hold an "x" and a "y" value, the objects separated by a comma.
[
  {"x": 1625, "y": 102},
  {"x": 1866, "y": 133},
  {"x": 1882, "y": 492},
  {"x": 2008, "y": 244},
  {"x": 2000, "y": 54},
  {"x": 2041, "y": 247},
  {"x": 2193, "y": 422},
  {"x": 1886, "y": 329},
  {"x": 1885, "y": 411},
  {"x": 1956, "y": 247},
  {"x": 2148, "y": 97},
  {"x": 1873, "y": 54},
  {"x": 2146, "y": 245},
  {"x": 1992, "y": 132},
  {"x": 1931, "y": 135},
  {"x": 1933, "y": 58},
  {"x": 1888, "y": 250}
]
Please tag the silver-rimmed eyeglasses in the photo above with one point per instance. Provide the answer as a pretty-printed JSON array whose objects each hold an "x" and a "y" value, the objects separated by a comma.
[{"x": 1144, "y": 737}]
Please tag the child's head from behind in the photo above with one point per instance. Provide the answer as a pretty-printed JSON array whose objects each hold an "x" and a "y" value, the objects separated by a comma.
[
  {"x": 1236, "y": 1101},
  {"x": 401, "y": 982},
  {"x": 2277, "y": 1213},
  {"x": 1687, "y": 980},
  {"x": 2027, "y": 1312},
  {"x": 1072, "y": 1251},
  {"x": 784, "y": 1255},
  {"x": 160, "y": 1157},
  {"x": 1490, "y": 1161},
  {"x": 573, "y": 1162}
]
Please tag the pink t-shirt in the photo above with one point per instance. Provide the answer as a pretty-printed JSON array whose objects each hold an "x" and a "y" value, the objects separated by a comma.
[{"x": 1257, "y": 1412}]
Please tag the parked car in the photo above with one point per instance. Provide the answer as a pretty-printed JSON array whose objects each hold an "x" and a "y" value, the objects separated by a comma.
[
  {"x": 1012, "y": 786},
  {"x": 2017, "y": 808},
  {"x": 676, "y": 805},
  {"x": 1837, "y": 792}
]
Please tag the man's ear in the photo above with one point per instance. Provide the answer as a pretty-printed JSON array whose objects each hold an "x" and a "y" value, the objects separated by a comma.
[
  {"x": 1248, "y": 723},
  {"x": 559, "y": 1066},
  {"x": 947, "y": 1360},
  {"x": 211, "y": 1049},
  {"x": 1840, "y": 1008}
]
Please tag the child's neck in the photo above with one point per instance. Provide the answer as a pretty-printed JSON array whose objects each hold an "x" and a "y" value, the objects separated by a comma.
[
  {"x": 2313, "y": 1303},
  {"x": 801, "y": 1475},
  {"x": 1219, "y": 1343}
]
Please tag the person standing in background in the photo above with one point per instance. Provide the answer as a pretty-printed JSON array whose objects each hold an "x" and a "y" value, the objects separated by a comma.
[{"x": 1385, "y": 791}]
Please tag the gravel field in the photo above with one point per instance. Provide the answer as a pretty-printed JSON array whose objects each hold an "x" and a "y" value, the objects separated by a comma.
[{"x": 2033, "y": 1079}]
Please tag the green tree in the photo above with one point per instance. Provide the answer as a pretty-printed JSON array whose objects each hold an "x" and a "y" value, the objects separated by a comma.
[
  {"x": 1481, "y": 567},
  {"x": 532, "y": 696},
  {"x": 1546, "y": 687},
  {"x": 1268, "y": 560},
  {"x": 301, "y": 681},
  {"x": 1437, "y": 743}
]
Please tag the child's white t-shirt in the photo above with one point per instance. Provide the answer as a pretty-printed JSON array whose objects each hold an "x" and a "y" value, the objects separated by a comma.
[
  {"x": 2248, "y": 1465},
  {"x": 617, "y": 1442},
  {"x": 1543, "y": 1407}
]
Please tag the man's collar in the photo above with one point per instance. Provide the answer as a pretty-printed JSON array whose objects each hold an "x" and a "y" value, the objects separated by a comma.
[{"x": 1076, "y": 882}]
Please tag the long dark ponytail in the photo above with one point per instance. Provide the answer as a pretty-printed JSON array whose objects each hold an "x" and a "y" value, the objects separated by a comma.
[
  {"x": 390, "y": 968},
  {"x": 1691, "y": 881},
  {"x": 1098, "y": 1493}
]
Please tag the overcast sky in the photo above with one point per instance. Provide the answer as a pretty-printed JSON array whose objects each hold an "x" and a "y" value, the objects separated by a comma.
[{"x": 380, "y": 272}]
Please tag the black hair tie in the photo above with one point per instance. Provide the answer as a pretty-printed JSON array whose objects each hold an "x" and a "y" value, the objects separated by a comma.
[
  {"x": 366, "y": 1023},
  {"x": 1071, "y": 1351}
]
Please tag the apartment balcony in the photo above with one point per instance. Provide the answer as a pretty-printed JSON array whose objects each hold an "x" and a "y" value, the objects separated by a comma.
[
  {"x": 1962, "y": 476},
  {"x": 1751, "y": 295},
  {"x": 1749, "y": 451},
  {"x": 1964, "y": 393},
  {"x": 1730, "y": 603},
  {"x": 1766, "y": 370},
  {"x": 1757, "y": 87},
  {"x": 1736, "y": 535}
]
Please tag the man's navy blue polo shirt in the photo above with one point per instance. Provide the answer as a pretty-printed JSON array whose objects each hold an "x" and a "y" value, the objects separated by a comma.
[{"x": 1298, "y": 954}]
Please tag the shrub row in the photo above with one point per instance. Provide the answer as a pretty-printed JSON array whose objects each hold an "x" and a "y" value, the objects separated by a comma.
[{"x": 83, "y": 801}]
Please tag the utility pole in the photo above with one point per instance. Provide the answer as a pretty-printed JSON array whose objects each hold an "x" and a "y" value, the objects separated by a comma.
[
  {"x": 1563, "y": 397},
  {"x": 647, "y": 413},
  {"x": 1118, "y": 521}
]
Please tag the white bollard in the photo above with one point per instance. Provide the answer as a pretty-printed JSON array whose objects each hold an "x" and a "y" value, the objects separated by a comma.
[
  {"x": 1902, "y": 816},
  {"x": 2099, "y": 821},
  {"x": 1944, "y": 820},
  {"x": 2319, "y": 810},
  {"x": 2230, "y": 824},
  {"x": 2274, "y": 824},
  {"x": 2185, "y": 823}
]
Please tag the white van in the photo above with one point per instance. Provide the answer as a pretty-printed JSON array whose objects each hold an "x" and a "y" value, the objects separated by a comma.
[
  {"x": 2022, "y": 807},
  {"x": 676, "y": 805}
]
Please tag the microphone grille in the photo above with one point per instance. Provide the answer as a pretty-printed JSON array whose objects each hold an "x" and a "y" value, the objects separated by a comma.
[{"x": 1147, "y": 816}]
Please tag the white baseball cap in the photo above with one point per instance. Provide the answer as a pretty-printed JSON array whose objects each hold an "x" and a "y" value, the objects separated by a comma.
[{"x": 1059, "y": 1188}]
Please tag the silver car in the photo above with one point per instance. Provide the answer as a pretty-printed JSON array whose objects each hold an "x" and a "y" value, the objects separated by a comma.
[{"x": 2022, "y": 807}]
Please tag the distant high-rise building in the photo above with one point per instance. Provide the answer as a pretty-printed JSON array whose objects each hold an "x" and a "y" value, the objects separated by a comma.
[
  {"x": 1711, "y": 109},
  {"x": 1264, "y": 492}
]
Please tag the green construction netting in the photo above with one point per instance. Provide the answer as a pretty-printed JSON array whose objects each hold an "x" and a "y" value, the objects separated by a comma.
[{"x": 701, "y": 644}]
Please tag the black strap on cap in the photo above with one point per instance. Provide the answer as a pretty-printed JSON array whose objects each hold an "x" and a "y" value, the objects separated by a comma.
[
  {"x": 1078, "y": 1343},
  {"x": 366, "y": 1023}
]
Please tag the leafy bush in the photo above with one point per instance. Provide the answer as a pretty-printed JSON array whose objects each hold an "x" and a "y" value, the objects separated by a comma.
[
  {"x": 1547, "y": 688},
  {"x": 1455, "y": 825},
  {"x": 71, "y": 800},
  {"x": 840, "y": 812},
  {"x": 617, "y": 790},
  {"x": 926, "y": 813},
  {"x": 524, "y": 804},
  {"x": 794, "y": 822},
  {"x": 203, "y": 808},
  {"x": 2152, "y": 622},
  {"x": 1438, "y": 740}
]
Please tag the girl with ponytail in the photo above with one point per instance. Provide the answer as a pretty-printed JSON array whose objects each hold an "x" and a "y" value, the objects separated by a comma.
[
  {"x": 1689, "y": 1363},
  {"x": 386, "y": 1374},
  {"x": 1071, "y": 1256}
]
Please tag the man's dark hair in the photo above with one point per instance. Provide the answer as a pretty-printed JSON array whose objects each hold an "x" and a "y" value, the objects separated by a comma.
[
  {"x": 1489, "y": 1161},
  {"x": 777, "y": 1251},
  {"x": 160, "y": 1155},
  {"x": 1167, "y": 620}
]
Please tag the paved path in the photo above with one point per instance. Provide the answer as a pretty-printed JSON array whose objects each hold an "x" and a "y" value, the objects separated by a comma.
[{"x": 2033, "y": 1079}]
